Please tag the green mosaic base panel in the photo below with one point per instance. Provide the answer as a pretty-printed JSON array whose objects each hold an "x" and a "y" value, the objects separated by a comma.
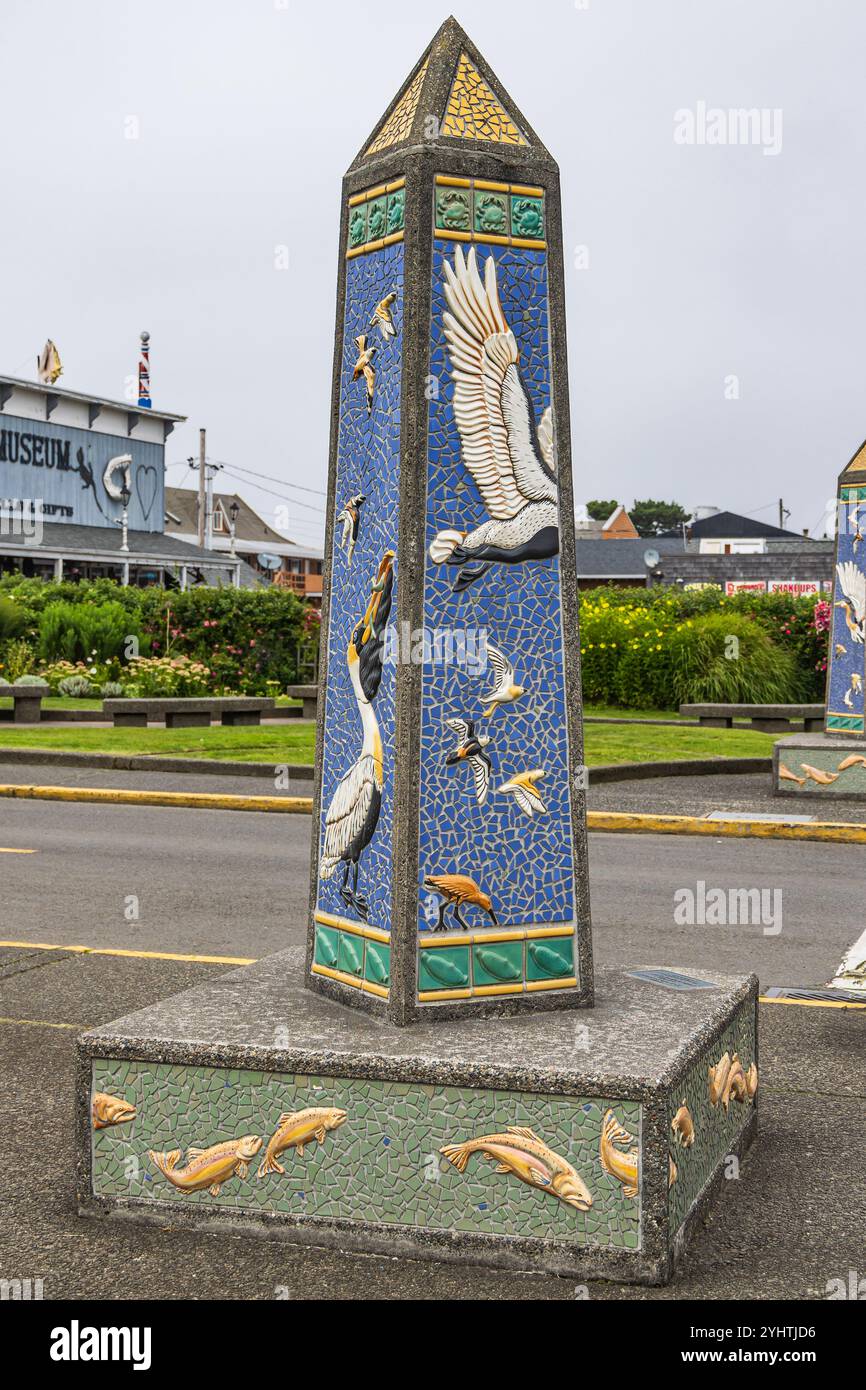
[
  {"x": 484, "y": 965},
  {"x": 498, "y": 212},
  {"x": 354, "y": 955},
  {"x": 715, "y": 1132},
  {"x": 848, "y": 781},
  {"x": 382, "y": 1165}
]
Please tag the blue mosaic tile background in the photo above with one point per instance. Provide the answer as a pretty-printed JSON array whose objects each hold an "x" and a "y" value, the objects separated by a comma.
[
  {"x": 368, "y": 461},
  {"x": 525, "y": 864},
  {"x": 842, "y": 666}
]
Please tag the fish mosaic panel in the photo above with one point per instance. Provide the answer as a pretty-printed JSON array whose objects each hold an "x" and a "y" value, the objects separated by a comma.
[
  {"x": 847, "y": 657},
  {"x": 440, "y": 1158},
  {"x": 828, "y": 772},
  {"x": 496, "y": 850},
  {"x": 709, "y": 1112},
  {"x": 353, "y": 904}
]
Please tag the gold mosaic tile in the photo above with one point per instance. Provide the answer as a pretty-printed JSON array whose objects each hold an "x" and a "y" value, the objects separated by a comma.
[
  {"x": 399, "y": 123},
  {"x": 474, "y": 113}
]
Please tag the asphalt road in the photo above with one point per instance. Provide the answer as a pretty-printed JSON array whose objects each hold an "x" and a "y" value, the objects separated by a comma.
[
  {"x": 236, "y": 883},
  {"x": 223, "y": 883}
]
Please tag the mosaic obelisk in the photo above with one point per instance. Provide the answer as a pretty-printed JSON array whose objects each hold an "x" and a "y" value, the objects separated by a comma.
[
  {"x": 449, "y": 863},
  {"x": 832, "y": 765},
  {"x": 449, "y": 870}
]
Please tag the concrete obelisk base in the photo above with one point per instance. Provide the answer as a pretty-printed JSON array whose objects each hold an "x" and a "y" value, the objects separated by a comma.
[
  {"x": 616, "y": 1105},
  {"x": 820, "y": 765}
]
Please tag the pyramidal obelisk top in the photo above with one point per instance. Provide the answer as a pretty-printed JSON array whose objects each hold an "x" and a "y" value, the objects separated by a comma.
[{"x": 453, "y": 97}]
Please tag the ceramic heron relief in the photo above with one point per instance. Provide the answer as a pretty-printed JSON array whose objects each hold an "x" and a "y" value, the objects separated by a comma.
[
  {"x": 509, "y": 455},
  {"x": 353, "y": 814}
]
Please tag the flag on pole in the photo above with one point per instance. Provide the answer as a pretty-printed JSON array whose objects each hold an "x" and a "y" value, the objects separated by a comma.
[
  {"x": 144, "y": 372},
  {"x": 48, "y": 364}
]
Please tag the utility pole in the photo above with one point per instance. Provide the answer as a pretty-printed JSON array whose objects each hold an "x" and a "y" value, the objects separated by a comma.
[
  {"x": 202, "y": 500},
  {"x": 783, "y": 512}
]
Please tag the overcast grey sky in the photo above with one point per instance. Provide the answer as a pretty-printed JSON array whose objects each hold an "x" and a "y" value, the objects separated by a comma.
[{"x": 705, "y": 262}]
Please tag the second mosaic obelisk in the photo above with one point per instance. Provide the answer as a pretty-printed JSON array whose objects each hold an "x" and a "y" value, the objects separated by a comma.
[{"x": 449, "y": 863}]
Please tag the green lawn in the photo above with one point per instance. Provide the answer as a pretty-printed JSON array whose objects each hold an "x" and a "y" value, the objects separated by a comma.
[{"x": 296, "y": 744}]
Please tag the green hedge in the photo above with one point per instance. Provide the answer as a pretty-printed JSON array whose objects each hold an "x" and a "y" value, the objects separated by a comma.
[{"x": 248, "y": 639}]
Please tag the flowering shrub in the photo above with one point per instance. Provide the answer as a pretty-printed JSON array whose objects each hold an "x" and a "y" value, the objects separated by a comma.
[
  {"x": 165, "y": 675},
  {"x": 246, "y": 638},
  {"x": 659, "y": 648}
]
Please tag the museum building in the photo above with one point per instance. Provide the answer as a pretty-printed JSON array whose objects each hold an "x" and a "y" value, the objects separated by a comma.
[{"x": 82, "y": 492}]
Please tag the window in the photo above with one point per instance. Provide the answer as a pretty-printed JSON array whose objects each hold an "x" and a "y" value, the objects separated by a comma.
[{"x": 219, "y": 523}]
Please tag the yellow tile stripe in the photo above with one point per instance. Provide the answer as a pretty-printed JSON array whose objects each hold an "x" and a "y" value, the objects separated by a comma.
[
  {"x": 370, "y": 193},
  {"x": 374, "y": 245},
  {"x": 524, "y": 243},
  {"x": 328, "y": 919},
  {"x": 485, "y": 937},
  {"x": 365, "y": 986}
]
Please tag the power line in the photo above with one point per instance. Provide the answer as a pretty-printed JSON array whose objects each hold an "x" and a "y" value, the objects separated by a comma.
[
  {"x": 289, "y": 501},
  {"x": 299, "y": 487}
]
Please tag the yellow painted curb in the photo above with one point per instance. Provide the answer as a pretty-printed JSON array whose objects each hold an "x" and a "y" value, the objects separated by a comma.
[
  {"x": 609, "y": 822},
  {"x": 203, "y": 801},
  {"x": 17, "y": 851},
  {"x": 134, "y": 955},
  {"x": 620, "y": 822}
]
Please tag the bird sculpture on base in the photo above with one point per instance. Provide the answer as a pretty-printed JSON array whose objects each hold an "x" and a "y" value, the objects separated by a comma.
[
  {"x": 504, "y": 691},
  {"x": 852, "y": 583},
  {"x": 455, "y": 890},
  {"x": 353, "y": 814},
  {"x": 470, "y": 748},
  {"x": 509, "y": 455}
]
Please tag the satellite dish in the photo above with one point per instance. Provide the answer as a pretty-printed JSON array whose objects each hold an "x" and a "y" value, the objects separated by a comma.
[
  {"x": 270, "y": 562},
  {"x": 651, "y": 558}
]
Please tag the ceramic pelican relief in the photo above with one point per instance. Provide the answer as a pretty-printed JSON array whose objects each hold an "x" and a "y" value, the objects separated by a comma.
[{"x": 509, "y": 454}]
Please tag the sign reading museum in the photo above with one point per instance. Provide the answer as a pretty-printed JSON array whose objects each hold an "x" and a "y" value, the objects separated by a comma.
[{"x": 66, "y": 468}]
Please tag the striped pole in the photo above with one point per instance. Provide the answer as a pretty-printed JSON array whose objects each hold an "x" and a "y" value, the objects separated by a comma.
[{"x": 144, "y": 372}]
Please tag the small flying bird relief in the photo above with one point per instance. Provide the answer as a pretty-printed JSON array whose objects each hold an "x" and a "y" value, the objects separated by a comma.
[
  {"x": 364, "y": 367},
  {"x": 509, "y": 455},
  {"x": 853, "y": 689},
  {"x": 470, "y": 749},
  {"x": 350, "y": 519},
  {"x": 383, "y": 317},
  {"x": 504, "y": 690},
  {"x": 525, "y": 791}
]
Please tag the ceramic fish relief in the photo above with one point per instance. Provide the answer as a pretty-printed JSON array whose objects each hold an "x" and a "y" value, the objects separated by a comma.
[
  {"x": 728, "y": 1081},
  {"x": 110, "y": 1110},
  {"x": 683, "y": 1127},
  {"x": 297, "y": 1129},
  {"x": 617, "y": 1161},
  {"x": 210, "y": 1167},
  {"x": 520, "y": 1152}
]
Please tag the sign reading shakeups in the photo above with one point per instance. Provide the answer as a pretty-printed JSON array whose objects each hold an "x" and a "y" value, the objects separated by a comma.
[{"x": 64, "y": 468}]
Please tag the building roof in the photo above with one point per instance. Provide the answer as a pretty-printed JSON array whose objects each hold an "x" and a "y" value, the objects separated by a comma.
[
  {"x": 64, "y": 537},
  {"x": 730, "y": 525},
  {"x": 252, "y": 533},
  {"x": 45, "y": 389},
  {"x": 598, "y": 559}
]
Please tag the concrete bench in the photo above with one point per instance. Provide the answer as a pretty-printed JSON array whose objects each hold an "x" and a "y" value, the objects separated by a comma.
[
  {"x": 27, "y": 701},
  {"x": 310, "y": 696},
  {"x": 187, "y": 712},
  {"x": 770, "y": 719}
]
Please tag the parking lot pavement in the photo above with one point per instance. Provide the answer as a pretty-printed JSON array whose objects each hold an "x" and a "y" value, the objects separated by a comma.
[
  {"x": 792, "y": 1221},
  {"x": 695, "y": 796}
]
